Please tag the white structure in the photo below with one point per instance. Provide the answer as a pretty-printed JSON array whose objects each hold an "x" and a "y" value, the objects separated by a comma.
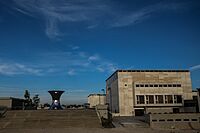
[
  {"x": 135, "y": 92},
  {"x": 96, "y": 99}
]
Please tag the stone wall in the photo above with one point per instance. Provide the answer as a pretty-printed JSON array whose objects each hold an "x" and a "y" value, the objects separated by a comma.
[
  {"x": 102, "y": 111},
  {"x": 174, "y": 121},
  {"x": 159, "y": 110}
]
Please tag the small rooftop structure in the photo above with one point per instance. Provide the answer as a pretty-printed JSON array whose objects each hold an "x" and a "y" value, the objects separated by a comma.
[
  {"x": 96, "y": 99},
  {"x": 96, "y": 95}
]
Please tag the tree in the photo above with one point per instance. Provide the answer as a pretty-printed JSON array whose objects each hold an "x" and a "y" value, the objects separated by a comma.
[
  {"x": 27, "y": 95},
  {"x": 36, "y": 100},
  {"x": 28, "y": 100}
]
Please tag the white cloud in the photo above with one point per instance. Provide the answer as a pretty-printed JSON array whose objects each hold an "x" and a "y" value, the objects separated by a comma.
[
  {"x": 16, "y": 69},
  {"x": 107, "y": 67},
  {"x": 100, "y": 69},
  {"x": 77, "y": 62},
  {"x": 55, "y": 12},
  {"x": 52, "y": 29},
  {"x": 71, "y": 72},
  {"x": 92, "y": 26},
  {"x": 93, "y": 13},
  {"x": 144, "y": 13},
  {"x": 193, "y": 68},
  {"x": 59, "y": 63},
  {"x": 94, "y": 58},
  {"x": 74, "y": 47}
]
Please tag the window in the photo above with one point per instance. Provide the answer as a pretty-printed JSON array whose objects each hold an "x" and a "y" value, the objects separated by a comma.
[
  {"x": 177, "y": 99},
  {"x": 194, "y": 119},
  {"x": 159, "y": 99},
  {"x": 140, "y": 99},
  {"x": 178, "y": 120},
  {"x": 149, "y": 99},
  {"x": 141, "y": 85},
  {"x": 155, "y": 85},
  {"x": 168, "y": 99},
  {"x": 178, "y": 85},
  {"x": 169, "y": 85},
  {"x": 169, "y": 119}
]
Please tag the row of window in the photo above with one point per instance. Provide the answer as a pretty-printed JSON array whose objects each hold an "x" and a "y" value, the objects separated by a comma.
[
  {"x": 162, "y": 120},
  {"x": 158, "y": 85},
  {"x": 159, "y": 99}
]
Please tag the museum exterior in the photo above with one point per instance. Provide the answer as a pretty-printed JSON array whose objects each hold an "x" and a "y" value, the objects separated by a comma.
[{"x": 138, "y": 92}]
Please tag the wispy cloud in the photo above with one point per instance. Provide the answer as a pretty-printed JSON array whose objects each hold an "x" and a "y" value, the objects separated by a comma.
[
  {"x": 74, "y": 47},
  {"x": 145, "y": 13},
  {"x": 94, "y": 58},
  {"x": 16, "y": 69},
  {"x": 194, "y": 68},
  {"x": 71, "y": 72},
  {"x": 92, "y": 26},
  {"x": 55, "y": 12},
  {"x": 106, "y": 66},
  {"x": 94, "y": 13},
  {"x": 75, "y": 62},
  {"x": 71, "y": 63}
]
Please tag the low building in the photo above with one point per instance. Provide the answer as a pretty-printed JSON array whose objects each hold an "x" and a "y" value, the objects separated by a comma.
[
  {"x": 96, "y": 99},
  {"x": 138, "y": 92},
  {"x": 12, "y": 103}
]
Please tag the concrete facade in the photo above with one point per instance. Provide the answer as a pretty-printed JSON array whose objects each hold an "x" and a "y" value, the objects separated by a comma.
[
  {"x": 174, "y": 121},
  {"x": 129, "y": 92},
  {"x": 96, "y": 99},
  {"x": 198, "y": 97},
  {"x": 12, "y": 103}
]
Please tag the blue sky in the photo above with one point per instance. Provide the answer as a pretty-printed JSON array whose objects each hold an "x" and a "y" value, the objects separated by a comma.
[{"x": 74, "y": 45}]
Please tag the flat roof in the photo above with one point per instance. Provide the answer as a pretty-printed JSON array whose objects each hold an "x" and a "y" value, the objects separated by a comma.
[
  {"x": 96, "y": 95},
  {"x": 150, "y": 70},
  {"x": 8, "y": 98}
]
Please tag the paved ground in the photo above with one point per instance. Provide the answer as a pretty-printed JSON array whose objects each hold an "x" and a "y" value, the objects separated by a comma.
[
  {"x": 72, "y": 121},
  {"x": 94, "y": 130}
]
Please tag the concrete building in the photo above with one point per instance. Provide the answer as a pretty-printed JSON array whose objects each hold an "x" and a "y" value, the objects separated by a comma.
[
  {"x": 135, "y": 92},
  {"x": 96, "y": 99},
  {"x": 12, "y": 103},
  {"x": 198, "y": 98}
]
